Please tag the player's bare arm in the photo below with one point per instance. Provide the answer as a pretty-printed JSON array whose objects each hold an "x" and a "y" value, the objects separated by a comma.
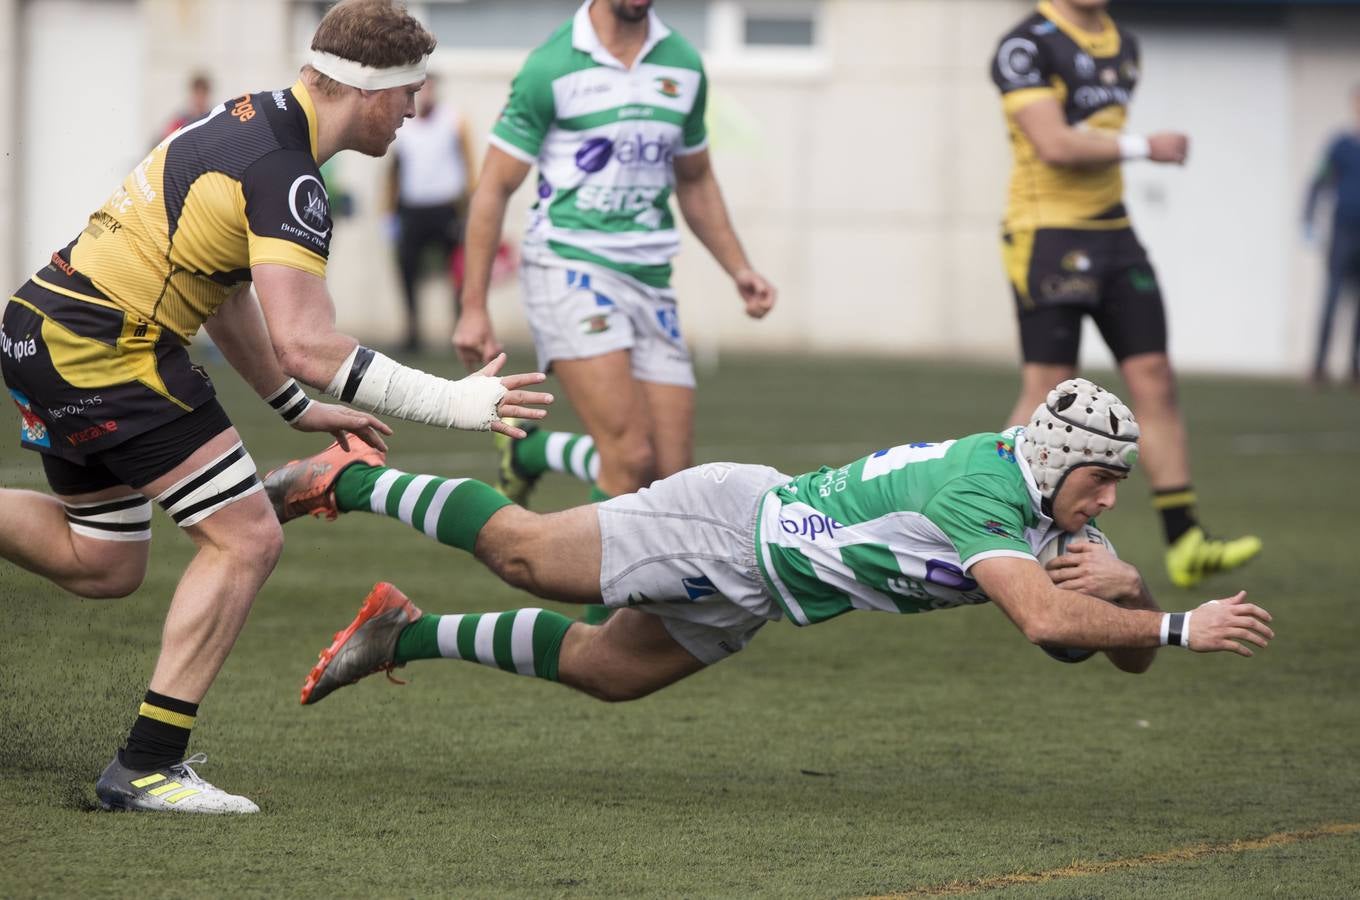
[
  {"x": 473, "y": 338},
  {"x": 1091, "y": 569},
  {"x": 301, "y": 321},
  {"x": 1060, "y": 144},
  {"x": 701, "y": 203},
  {"x": 239, "y": 332},
  {"x": 1047, "y": 614}
]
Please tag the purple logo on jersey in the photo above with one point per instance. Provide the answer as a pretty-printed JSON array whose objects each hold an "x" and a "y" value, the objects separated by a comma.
[
  {"x": 594, "y": 154},
  {"x": 946, "y": 574},
  {"x": 544, "y": 189}
]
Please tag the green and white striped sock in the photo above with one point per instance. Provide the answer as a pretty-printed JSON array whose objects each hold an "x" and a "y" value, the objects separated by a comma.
[
  {"x": 524, "y": 641},
  {"x": 450, "y": 510},
  {"x": 559, "y": 451}
]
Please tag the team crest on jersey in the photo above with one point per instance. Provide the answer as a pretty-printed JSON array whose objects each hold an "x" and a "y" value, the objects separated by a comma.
[
  {"x": 1076, "y": 261},
  {"x": 997, "y": 528},
  {"x": 1086, "y": 66},
  {"x": 667, "y": 87},
  {"x": 1006, "y": 451},
  {"x": 1109, "y": 77},
  {"x": 32, "y": 430},
  {"x": 309, "y": 204},
  {"x": 597, "y": 324}
]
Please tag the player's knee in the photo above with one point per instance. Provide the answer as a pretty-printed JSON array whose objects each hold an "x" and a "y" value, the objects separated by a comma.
[
  {"x": 1151, "y": 379},
  {"x": 257, "y": 546},
  {"x": 633, "y": 460}
]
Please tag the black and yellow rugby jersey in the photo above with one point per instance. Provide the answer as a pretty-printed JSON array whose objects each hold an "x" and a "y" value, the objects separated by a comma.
[
  {"x": 237, "y": 188},
  {"x": 1092, "y": 77}
]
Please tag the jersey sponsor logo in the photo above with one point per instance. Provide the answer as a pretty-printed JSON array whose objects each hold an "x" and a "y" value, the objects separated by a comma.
[
  {"x": 1017, "y": 59},
  {"x": 810, "y": 526},
  {"x": 992, "y": 526},
  {"x": 1108, "y": 76},
  {"x": 1076, "y": 261},
  {"x": 243, "y": 108},
  {"x": 1044, "y": 28},
  {"x": 280, "y": 100},
  {"x": 1143, "y": 281},
  {"x": 698, "y": 588},
  {"x": 1069, "y": 288},
  {"x": 716, "y": 472},
  {"x": 63, "y": 265},
  {"x": 32, "y": 430},
  {"x": 545, "y": 189},
  {"x": 636, "y": 151},
  {"x": 667, "y": 87},
  {"x": 309, "y": 205},
  {"x": 85, "y": 435},
  {"x": 1129, "y": 69},
  {"x": 17, "y": 349},
  {"x": 1086, "y": 66},
  {"x": 627, "y": 201},
  {"x": 1094, "y": 96},
  {"x": 80, "y": 406},
  {"x": 669, "y": 320}
]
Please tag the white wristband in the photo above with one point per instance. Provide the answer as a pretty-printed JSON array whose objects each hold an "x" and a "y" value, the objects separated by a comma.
[
  {"x": 1133, "y": 146},
  {"x": 371, "y": 381}
]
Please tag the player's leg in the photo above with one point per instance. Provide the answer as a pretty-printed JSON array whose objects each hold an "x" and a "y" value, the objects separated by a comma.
[
  {"x": 613, "y": 409},
  {"x": 92, "y": 540},
  {"x": 411, "y": 242},
  {"x": 1331, "y": 299},
  {"x": 1049, "y": 323},
  {"x": 214, "y": 495},
  {"x": 1132, "y": 319}
]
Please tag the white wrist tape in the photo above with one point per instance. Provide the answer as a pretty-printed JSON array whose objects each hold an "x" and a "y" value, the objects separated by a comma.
[
  {"x": 1133, "y": 146},
  {"x": 289, "y": 401},
  {"x": 1176, "y": 629},
  {"x": 371, "y": 381}
]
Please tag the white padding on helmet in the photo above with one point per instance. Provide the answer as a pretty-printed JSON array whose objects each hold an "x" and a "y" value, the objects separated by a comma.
[{"x": 1080, "y": 424}]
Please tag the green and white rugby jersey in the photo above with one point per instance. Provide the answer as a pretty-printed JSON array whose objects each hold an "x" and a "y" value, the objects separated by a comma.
[
  {"x": 899, "y": 530},
  {"x": 605, "y": 139}
]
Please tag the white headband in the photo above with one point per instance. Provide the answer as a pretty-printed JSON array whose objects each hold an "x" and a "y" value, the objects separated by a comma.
[{"x": 367, "y": 78}]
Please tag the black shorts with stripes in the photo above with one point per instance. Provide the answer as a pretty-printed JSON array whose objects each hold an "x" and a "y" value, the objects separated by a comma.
[{"x": 142, "y": 459}]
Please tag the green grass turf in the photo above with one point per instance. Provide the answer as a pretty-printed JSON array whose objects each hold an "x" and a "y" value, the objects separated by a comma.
[{"x": 867, "y": 755}]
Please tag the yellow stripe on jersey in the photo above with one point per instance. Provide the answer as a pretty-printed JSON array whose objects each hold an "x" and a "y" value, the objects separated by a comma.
[
  {"x": 168, "y": 716},
  {"x": 285, "y": 253},
  {"x": 1016, "y": 251},
  {"x": 1015, "y": 101},
  {"x": 304, "y": 100}
]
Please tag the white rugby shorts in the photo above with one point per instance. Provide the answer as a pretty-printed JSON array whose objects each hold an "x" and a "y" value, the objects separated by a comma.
[
  {"x": 577, "y": 311},
  {"x": 684, "y": 550}
]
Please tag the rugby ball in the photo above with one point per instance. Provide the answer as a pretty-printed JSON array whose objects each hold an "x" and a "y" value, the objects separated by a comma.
[{"x": 1056, "y": 547}]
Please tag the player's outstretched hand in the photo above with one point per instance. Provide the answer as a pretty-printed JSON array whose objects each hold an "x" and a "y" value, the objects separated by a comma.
[
  {"x": 474, "y": 340},
  {"x": 338, "y": 420},
  {"x": 1229, "y": 624},
  {"x": 758, "y": 294},
  {"x": 517, "y": 404},
  {"x": 1168, "y": 147},
  {"x": 1094, "y": 570}
]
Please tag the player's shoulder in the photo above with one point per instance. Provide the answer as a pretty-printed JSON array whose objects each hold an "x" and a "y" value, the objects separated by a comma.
[
  {"x": 987, "y": 453},
  {"x": 676, "y": 50},
  {"x": 1034, "y": 28}
]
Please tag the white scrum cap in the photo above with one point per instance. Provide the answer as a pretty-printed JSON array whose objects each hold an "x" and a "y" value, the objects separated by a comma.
[{"x": 1080, "y": 424}]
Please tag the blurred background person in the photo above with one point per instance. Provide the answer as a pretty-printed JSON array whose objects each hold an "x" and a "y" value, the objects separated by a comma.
[
  {"x": 430, "y": 179},
  {"x": 1339, "y": 175},
  {"x": 1066, "y": 74},
  {"x": 196, "y": 106}
]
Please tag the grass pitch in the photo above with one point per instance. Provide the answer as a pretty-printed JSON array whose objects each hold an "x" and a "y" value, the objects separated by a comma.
[{"x": 871, "y": 755}]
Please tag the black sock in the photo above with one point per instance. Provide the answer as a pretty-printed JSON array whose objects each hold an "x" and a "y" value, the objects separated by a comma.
[
  {"x": 1177, "y": 506},
  {"x": 160, "y": 736}
]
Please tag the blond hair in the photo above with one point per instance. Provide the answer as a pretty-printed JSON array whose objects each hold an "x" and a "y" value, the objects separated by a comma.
[{"x": 378, "y": 33}]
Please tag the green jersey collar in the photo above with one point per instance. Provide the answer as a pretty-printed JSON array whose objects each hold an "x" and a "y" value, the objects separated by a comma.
[{"x": 584, "y": 38}]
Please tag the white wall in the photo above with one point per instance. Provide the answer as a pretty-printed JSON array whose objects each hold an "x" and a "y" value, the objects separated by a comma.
[{"x": 866, "y": 179}]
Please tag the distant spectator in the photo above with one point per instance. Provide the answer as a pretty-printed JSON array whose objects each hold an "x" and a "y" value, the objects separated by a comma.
[
  {"x": 198, "y": 106},
  {"x": 1339, "y": 174},
  {"x": 431, "y": 177}
]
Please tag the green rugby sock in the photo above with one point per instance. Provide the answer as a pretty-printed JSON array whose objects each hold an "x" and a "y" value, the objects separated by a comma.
[
  {"x": 525, "y": 641},
  {"x": 450, "y": 510},
  {"x": 558, "y": 451}
]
